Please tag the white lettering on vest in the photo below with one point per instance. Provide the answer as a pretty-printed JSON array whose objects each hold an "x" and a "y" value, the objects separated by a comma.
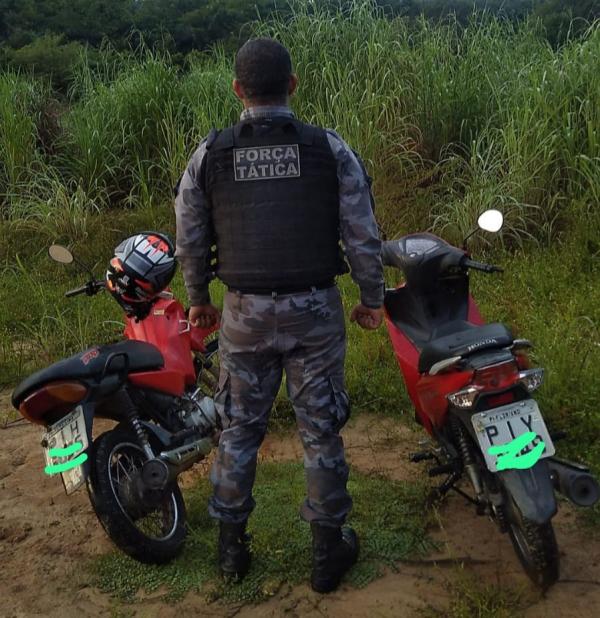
[{"x": 275, "y": 162}]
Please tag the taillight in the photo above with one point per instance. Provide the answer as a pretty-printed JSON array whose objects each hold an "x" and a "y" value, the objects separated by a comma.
[
  {"x": 57, "y": 396},
  {"x": 496, "y": 377},
  {"x": 493, "y": 378}
]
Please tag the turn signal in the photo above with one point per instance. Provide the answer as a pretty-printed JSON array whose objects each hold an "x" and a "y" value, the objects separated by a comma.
[
  {"x": 464, "y": 398},
  {"x": 532, "y": 378},
  {"x": 52, "y": 397}
]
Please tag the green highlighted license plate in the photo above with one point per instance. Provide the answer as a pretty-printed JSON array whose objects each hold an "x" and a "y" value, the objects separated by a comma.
[
  {"x": 64, "y": 447},
  {"x": 513, "y": 436}
]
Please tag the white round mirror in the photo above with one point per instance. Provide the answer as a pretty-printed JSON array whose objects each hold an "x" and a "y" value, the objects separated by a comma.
[
  {"x": 60, "y": 254},
  {"x": 490, "y": 220}
]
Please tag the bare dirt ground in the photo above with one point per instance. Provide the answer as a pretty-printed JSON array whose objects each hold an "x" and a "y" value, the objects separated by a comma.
[{"x": 46, "y": 536}]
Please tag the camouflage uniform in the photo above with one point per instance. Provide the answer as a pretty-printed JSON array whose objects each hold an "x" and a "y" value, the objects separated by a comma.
[{"x": 302, "y": 333}]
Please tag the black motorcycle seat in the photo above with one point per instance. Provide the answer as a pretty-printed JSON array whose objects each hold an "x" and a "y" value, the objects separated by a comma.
[
  {"x": 142, "y": 356},
  {"x": 467, "y": 339}
]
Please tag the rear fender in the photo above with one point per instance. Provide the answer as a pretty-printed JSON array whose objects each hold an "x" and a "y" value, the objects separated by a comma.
[{"x": 532, "y": 491}]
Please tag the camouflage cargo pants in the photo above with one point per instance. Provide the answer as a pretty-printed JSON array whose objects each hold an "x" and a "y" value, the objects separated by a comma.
[{"x": 303, "y": 334}]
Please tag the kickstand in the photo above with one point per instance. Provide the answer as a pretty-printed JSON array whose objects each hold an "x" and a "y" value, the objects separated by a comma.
[
  {"x": 436, "y": 495},
  {"x": 465, "y": 495},
  {"x": 8, "y": 424}
]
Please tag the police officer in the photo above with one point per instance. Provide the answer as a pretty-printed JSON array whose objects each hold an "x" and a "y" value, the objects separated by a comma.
[{"x": 276, "y": 196}]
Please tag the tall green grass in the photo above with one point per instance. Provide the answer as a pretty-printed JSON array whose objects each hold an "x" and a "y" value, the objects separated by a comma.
[
  {"x": 451, "y": 120},
  {"x": 489, "y": 108},
  {"x": 20, "y": 104}
]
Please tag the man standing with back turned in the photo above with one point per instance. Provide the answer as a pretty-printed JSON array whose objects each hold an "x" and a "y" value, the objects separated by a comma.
[{"x": 276, "y": 196}]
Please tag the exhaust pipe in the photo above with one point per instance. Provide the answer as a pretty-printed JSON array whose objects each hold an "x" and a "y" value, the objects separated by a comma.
[
  {"x": 158, "y": 473},
  {"x": 574, "y": 481}
]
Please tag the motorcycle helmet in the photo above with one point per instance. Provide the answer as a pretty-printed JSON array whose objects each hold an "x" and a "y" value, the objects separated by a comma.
[{"x": 142, "y": 267}]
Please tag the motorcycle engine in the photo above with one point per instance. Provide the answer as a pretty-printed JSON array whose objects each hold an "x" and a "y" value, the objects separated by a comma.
[{"x": 198, "y": 411}]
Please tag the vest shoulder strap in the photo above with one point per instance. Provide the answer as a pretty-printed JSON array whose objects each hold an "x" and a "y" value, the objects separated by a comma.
[
  {"x": 223, "y": 139},
  {"x": 213, "y": 136},
  {"x": 233, "y": 136}
]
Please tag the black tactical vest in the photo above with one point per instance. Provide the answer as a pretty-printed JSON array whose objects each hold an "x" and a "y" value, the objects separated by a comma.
[{"x": 273, "y": 188}]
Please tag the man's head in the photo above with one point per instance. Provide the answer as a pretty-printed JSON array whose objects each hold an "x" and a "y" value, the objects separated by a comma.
[{"x": 263, "y": 73}]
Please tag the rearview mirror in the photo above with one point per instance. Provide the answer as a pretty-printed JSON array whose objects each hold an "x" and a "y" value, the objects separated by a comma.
[
  {"x": 490, "y": 220},
  {"x": 60, "y": 254}
]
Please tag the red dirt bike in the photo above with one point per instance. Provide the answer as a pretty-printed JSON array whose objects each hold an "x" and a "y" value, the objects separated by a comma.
[
  {"x": 471, "y": 384},
  {"x": 158, "y": 386}
]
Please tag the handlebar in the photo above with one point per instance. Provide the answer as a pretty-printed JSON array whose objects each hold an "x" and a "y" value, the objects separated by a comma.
[
  {"x": 486, "y": 268},
  {"x": 90, "y": 288}
]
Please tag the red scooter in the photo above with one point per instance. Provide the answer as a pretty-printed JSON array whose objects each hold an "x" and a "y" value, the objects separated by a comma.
[
  {"x": 158, "y": 386},
  {"x": 472, "y": 387}
]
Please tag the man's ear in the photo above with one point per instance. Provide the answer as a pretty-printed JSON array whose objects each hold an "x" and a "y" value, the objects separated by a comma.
[
  {"x": 293, "y": 84},
  {"x": 237, "y": 88}
]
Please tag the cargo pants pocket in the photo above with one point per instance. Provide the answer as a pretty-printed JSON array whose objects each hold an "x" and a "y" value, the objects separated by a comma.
[
  {"x": 223, "y": 399},
  {"x": 341, "y": 402}
]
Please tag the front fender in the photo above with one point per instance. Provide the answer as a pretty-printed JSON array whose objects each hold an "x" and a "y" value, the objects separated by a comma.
[{"x": 532, "y": 491}]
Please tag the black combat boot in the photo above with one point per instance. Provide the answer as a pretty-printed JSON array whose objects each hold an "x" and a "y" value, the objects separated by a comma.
[
  {"x": 335, "y": 550},
  {"x": 234, "y": 554}
]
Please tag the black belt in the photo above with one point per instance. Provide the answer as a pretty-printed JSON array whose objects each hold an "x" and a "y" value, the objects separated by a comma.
[{"x": 292, "y": 289}]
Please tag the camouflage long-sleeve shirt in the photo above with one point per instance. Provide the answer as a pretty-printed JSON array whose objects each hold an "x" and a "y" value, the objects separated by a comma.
[{"x": 358, "y": 228}]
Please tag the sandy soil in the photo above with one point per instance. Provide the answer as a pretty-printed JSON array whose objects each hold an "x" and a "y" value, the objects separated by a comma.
[{"x": 45, "y": 536}]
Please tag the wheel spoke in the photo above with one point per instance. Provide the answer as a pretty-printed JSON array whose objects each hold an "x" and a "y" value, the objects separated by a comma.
[{"x": 158, "y": 523}]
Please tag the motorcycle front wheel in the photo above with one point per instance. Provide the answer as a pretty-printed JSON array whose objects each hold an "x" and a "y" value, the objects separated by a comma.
[
  {"x": 153, "y": 535},
  {"x": 535, "y": 546}
]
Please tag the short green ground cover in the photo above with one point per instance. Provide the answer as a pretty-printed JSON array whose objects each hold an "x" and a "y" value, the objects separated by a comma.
[{"x": 390, "y": 518}]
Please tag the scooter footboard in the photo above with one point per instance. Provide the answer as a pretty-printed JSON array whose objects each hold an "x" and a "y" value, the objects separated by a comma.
[{"x": 532, "y": 491}]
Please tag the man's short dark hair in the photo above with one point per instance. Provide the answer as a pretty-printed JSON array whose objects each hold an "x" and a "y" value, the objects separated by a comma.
[{"x": 263, "y": 68}]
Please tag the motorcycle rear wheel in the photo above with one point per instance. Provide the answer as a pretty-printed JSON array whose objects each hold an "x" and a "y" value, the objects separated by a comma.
[
  {"x": 536, "y": 547},
  {"x": 154, "y": 538}
]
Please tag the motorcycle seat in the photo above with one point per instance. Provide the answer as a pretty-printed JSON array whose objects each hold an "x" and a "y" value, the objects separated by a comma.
[
  {"x": 141, "y": 356},
  {"x": 466, "y": 339}
]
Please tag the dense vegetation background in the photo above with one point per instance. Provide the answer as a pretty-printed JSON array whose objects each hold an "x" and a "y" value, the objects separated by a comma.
[
  {"x": 453, "y": 116},
  {"x": 46, "y": 36}
]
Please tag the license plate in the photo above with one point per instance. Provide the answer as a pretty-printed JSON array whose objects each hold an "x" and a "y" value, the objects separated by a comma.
[
  {"x": 503, "y": 425},
  {"x": 68, "y": 431}
]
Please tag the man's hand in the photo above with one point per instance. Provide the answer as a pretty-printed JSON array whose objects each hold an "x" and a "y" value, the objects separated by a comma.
[
  {"x": 204, "y": 316},
  {"x": 367, "y": 318}
]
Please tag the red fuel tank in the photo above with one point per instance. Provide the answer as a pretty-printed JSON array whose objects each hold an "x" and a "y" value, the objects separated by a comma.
[{"x": 168, "y": 329}]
